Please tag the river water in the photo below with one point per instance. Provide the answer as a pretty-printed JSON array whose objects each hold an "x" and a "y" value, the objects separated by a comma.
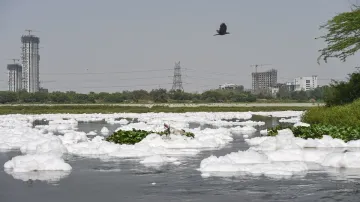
[{"x": 93, "y": 180}]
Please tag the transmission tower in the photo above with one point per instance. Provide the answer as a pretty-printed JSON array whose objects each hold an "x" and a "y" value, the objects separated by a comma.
[{"x": 177, "y": 83}]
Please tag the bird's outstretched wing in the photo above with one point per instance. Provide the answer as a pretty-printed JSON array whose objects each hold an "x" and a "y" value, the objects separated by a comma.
[{"x": 223, "y": 28}]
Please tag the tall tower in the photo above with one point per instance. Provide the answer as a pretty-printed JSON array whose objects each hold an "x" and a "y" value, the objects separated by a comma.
[
  {"x": 15, "y": 77},
  {"x": 177, "y": 83},
  {"x": 30, "y": 60}
]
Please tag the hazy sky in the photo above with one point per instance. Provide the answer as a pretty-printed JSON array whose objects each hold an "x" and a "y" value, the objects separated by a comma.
[{"x": 106, "y": 38}]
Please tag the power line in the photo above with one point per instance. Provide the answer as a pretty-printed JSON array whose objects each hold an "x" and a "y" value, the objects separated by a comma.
[
  {"x": 212, "y": 72},
  {"x": 102, "y": 80},
  {"x": 96, "y": 73},
  {"x": 123, "y": 86}
]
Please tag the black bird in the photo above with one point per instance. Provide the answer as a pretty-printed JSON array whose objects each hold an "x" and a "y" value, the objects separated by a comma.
[{"x": 222, "y": 30}]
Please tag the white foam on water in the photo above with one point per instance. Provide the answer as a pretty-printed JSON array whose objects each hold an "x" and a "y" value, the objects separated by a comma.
[
  {"x": 48, "y": 176},
  {"x": 284, "y": 155},
  {"x": 246, "y": 130},
  {"x": 249, "y": 163},
  {"x": 36, "y": 162},
  {"x": 105, "y": 131}
]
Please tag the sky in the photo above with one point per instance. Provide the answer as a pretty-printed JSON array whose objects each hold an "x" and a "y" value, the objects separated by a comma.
[{"x": 116, "y": 45}]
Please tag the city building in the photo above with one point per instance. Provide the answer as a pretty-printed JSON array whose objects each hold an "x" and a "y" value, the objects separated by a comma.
[
  {"x": 15, "y": 77},
  {"x": 230, "y": 86},
  {"x": 290, "y": 86},
  {"x": 262, "y": 81},
  {"x": 305, "y": 83},
  {"x": 30, "y": 62}
]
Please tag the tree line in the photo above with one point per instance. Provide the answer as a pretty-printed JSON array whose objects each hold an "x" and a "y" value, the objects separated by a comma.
[{"x": 155, "y": 96}]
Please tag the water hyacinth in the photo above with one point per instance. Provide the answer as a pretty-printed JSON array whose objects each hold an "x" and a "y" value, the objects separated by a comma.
[
  {"x": 318, "y": 130},
  {"x": 134, "y": 136}
]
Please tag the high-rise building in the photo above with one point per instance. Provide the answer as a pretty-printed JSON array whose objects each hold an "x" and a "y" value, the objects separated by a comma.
[
  {"x": 306, "y": 83},
  {"x": 30, "y": 61},
  {"x": 15, "y": 77},
  {"x": 261, "y": 81}
]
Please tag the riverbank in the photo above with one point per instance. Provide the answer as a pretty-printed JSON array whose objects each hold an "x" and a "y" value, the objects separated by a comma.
[
  {"x": 344, "y": 115},
  {"x": 143, "y": 108}
]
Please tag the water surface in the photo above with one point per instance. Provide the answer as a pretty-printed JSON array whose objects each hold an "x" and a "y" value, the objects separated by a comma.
[{"x": 93, "y": 180}]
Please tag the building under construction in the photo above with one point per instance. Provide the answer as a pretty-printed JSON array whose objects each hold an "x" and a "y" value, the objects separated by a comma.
[
  {"x": 30, "y": 63},
  {"x": 262, "y": 81},
  {"x": 15, "y": 77}
]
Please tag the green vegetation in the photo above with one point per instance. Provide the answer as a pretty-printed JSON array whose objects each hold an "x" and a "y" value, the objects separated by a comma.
[
  {"x": 318, "y": 130},
  {"x": 342, "y": 98},
  {"x": 134, "y": 136},
  {"x": 79, "y": 109},
  {"x": 343, "y": 92},
  {"x": 345, "y": 115},
  {"x": 155, "y": 96},
  {"x": 340, "y": 117},
  {"x": 343, "y": 35}
]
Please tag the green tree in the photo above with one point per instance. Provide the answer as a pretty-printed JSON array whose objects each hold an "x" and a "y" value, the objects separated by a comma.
[
  {"x": 59, "y": 97},
  {"x": 343, "y": 35},
  {"x": 139, "y": 95},
  {"x": 343, "y": 92},
  {"x": 159, "y": 95},
  {"x": 7, "y": 97}
]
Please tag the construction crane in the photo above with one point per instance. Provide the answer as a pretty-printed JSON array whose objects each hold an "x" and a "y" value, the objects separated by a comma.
[
  {"x": 14, "y": 60},
  {"x": 257, "y": 65},
  {"x": 30, "y": 30},
  {"x": 256, "y": 84}
]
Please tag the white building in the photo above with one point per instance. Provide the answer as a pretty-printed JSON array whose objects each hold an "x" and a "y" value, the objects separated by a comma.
[
  {"x": 305, "y": 83},
  {"x": 228, "y": 86}
]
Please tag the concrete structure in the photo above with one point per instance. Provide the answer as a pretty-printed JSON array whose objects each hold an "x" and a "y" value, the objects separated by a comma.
[
  {"x": 305, "y": 83},
  {"x": 15, "y": 77},
  {"x": 290, "y": 86},
  {"x": 261, "y": 81},
  {"x": 229, "y": 86},
  {"x": 30, "y": 60}
]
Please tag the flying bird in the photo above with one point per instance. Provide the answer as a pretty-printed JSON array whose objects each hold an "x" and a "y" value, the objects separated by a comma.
[{"x": 222, "y": 30}]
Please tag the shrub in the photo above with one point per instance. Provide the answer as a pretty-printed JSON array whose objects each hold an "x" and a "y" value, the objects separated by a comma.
[
  {"x": 346, "y": 115},
  {"x": 343, "y": 92},
  {"x": 134, "y": 136}
]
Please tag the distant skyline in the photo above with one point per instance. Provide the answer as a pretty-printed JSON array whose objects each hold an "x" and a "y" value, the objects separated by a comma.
[{"x": 130, "y": 45}]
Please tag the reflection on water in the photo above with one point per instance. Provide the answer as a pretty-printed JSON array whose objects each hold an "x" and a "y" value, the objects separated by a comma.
[
  {"x": 48, "y": 176},
  {"x": 112, "y": 179}
]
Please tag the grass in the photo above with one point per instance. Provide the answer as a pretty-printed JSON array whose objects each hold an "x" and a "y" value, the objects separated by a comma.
[
  {"x": 78, "y": 109},
  {"x": 345, "y": 115}
]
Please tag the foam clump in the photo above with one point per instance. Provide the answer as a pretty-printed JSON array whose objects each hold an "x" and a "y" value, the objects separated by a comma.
[
  {"x": 286, "y": 140},
  {"x": 73, "y": 137},
  {"x": 245, "y": 130},
  {"x": 48, "y": 176},
  {"x": 342, "y": 160},
  {"x": 249, "y": 162},
  {"x": 49, "y": 146},
  {"x": 104, "y": 131},
  {"x": 36, "y": 162}
]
